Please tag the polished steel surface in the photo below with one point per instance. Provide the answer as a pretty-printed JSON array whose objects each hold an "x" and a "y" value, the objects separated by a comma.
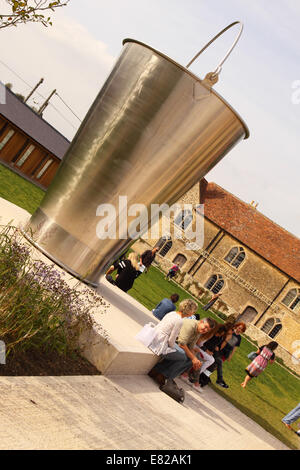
[{"x": 153, "y": 131}]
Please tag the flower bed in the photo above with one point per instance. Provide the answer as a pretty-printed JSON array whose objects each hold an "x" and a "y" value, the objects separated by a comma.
[{"x": 39, "y": 312}]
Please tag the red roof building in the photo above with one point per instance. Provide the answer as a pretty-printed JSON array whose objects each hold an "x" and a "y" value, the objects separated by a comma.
[{"x": 251, "y": 228}]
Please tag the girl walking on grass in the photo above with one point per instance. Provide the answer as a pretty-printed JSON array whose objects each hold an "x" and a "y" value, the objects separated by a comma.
[{"x": 265, "y": 355}]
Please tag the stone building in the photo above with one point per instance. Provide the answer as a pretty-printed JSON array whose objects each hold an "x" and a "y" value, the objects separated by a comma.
[{"x": 252, "y": 261}]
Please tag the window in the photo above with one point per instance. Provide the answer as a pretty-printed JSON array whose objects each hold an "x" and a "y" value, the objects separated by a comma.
[
  {"x": 3, "y": 128},
  {"x": 26, "y": 143},
  {"x": 164, "y": 244},
  {"x": 39, "y": 165},
  {"x": 274, "y": 332},
  {"x": 25, "y": 156},
  {"x": 44, "y": 168},
  {"x": 268, "y": 325},
  {"x": 236, "y": 256},
  {"x": 292, "y": 299},
  {"x": 272, "y": 327},
  {"x": 167, "y": 246},
  {"x": 215, "y": 283},
  {"x": 183, "y": 219},
  {"x": 162, "y": 241},
  {"x": 6, "y": 138}
]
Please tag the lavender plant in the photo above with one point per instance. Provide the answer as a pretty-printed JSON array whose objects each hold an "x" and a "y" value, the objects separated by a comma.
[{"x": 38, "y": 308}]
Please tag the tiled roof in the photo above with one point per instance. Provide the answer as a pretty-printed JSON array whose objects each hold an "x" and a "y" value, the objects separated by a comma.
[
  {"x": 251, "y": 228},
  {"x": 23, "y": 117}
]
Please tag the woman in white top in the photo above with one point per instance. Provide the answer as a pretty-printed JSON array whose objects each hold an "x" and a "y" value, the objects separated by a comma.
[{"x": 169, "y": 327}]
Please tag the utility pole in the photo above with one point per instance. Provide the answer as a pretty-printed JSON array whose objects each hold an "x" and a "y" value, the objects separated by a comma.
[
  {"x": 45, "y": 104},
  {"x": 33, "y": 90}
]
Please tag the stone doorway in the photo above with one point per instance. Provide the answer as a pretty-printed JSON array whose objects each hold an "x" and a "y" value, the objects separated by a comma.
[{"x": 248, "y": 315}]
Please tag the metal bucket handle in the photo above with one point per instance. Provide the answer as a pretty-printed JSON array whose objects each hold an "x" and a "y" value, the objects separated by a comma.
[{"x": 213, "y": 76}]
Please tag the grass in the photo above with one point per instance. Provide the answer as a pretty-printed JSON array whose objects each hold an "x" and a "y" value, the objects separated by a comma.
[
  {"x": 266, "y": 399},
  {"x": 19, "y": 191}
]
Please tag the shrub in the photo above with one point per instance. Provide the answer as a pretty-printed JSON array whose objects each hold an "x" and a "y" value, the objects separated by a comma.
[{"x": 38, "y": 309}]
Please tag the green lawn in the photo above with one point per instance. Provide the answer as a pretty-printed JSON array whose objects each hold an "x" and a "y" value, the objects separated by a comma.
[
  {"x": 19, "y": 191},
  {"x": 266, "y": 399}
]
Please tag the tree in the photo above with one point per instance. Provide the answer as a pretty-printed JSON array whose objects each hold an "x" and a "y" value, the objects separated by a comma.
[
  {"x": 29, "y": 11},
  {"x": 18, "y": 95}
]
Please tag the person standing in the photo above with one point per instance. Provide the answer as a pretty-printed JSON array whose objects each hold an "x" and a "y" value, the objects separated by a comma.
[
  {"x": 231, "y": 342},
  {"x": 146, "y": 259},
  {"x": 165, "y": 306},
  {"x": 265, "y": 355},
  {"x": 291, "y": 417},
  {"x": 211, "y": 302}
]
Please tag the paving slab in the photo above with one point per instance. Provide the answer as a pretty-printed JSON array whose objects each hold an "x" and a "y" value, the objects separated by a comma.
[{"x": 120, "y": 412}]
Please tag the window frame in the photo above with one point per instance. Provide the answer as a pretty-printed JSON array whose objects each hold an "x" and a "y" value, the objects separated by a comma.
[
  {"x": 296, "y": 298},
  {"x": 182, "y": 223},
  {"x": 219, "y": 278},
  {"x": 239, "y": 251}
]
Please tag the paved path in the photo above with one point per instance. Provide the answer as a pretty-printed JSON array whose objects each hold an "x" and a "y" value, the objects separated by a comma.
[{"x": 119, "y": 412}]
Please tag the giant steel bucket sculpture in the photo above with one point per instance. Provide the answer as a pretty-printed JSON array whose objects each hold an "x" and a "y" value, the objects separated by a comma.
[{"x": 153, "y": 131}]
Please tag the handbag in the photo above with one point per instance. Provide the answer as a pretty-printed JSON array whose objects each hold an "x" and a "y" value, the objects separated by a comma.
[
  {"x": 147, "y": 334},
  {"x": 171, "y": 388},
  {"x": 252, "y": 355}
]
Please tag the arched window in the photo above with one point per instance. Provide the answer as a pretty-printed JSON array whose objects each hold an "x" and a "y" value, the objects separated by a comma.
[
  {"x": 274, "y": 332},
  {"x": 236, "y": 256},
  {"x": 183, "y": 219},
  {"x": 292, "y": 299},
  {"x": 180, "y": 260},
  {"x": 164, "y": 250},
  {"x": 267, "y": 326},
  {"x": 272, "y": 327},
  {"x": 162, "y": 241},
  {"x": 215, "y": 283}
]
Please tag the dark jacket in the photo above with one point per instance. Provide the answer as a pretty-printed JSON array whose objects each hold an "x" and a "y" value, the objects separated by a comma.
[{"x": 147, "y": 258}]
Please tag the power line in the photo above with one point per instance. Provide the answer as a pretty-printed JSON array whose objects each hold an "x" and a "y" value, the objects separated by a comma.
[
  {"x": 30, "y": 86},
  {"x": 15, "y": 73},
  {"x": 74, "y": 127},
  {"x": 68, "y": 106}
]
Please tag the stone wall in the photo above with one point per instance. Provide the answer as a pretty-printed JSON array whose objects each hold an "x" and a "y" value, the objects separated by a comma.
[{"x": 236, "y": 297}]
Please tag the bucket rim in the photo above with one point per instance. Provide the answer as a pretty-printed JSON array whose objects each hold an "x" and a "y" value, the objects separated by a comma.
[{"x": 247, "y": 132}]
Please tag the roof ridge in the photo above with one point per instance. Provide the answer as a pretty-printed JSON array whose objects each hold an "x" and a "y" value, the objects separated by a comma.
[
  {"x": 247, "y": 204},
  {"x": 32, "y": 111}
]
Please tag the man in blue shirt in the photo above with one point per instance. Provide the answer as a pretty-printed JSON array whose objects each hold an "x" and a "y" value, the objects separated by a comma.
[{"x": 165, "y": 306}]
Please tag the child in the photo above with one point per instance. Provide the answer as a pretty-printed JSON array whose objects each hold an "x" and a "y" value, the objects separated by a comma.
[{"x": 258, "y": 365}]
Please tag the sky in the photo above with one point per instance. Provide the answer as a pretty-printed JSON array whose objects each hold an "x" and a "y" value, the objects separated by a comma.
[{"x": 260, "y": 79}]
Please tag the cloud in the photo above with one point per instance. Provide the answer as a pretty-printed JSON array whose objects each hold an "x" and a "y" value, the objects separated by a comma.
[{"x": 69, "y": 59}]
